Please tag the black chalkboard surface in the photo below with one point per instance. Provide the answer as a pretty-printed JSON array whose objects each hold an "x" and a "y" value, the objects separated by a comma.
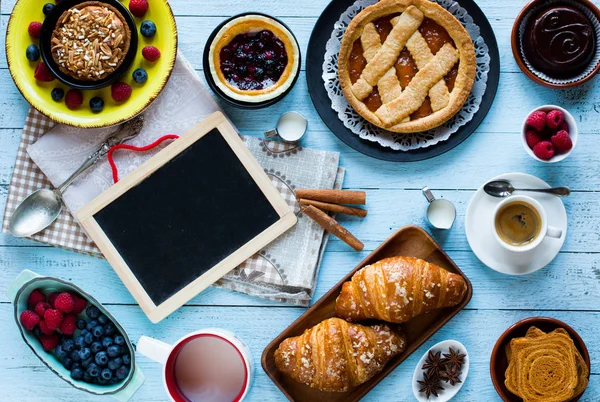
[
  {"x": 179, "y": 222},
  {"x": 186, "y": 217}
]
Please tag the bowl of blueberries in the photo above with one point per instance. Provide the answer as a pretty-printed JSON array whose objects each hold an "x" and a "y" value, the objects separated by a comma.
[{"x": 74, "y": 336}]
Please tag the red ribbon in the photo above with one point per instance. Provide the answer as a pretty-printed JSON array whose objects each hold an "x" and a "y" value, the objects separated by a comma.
[{"x": 113, "y": 166}]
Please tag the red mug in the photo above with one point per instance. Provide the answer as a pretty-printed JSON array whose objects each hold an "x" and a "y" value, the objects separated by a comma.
[{"x": 207, "y": 365}]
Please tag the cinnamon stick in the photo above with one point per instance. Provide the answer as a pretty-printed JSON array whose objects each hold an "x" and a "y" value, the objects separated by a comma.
[
  {"x": 334, "y": 196},
  {"x": 342, "y": 209},
  {"x": 329, "y": 224}
]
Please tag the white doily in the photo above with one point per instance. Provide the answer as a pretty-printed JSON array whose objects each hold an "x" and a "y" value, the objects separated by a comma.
[{"x": 397, "y": 141}]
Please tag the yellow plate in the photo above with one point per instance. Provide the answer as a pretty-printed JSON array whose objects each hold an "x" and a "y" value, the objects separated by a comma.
[{"x": 38, "y": 93}]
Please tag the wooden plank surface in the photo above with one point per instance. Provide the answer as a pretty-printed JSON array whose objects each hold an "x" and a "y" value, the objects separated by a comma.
[{"x": 567, "y": 289}]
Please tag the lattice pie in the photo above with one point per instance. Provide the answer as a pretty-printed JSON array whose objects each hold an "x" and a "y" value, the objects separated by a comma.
[{"x": 406, "y": 65}]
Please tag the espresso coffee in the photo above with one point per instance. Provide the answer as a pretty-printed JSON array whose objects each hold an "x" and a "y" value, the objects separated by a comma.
[
  {"x": 210, "y": 369},
  {"x": 518, "y": 223}
]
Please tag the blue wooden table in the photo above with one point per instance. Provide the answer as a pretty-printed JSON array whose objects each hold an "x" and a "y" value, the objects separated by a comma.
[{"x": 567, "y": 289}]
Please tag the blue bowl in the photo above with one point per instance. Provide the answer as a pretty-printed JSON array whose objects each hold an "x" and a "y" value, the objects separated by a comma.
[{"x": 18, "y": 292}]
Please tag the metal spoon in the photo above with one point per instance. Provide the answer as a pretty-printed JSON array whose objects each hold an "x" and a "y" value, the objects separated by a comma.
[
  {"x": 503, "y": 188},
  {"x": 36, "y": 212}
]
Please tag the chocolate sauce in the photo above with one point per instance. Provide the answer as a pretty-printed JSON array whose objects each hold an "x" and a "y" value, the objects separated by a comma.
[{"x": 560, "y": 42}]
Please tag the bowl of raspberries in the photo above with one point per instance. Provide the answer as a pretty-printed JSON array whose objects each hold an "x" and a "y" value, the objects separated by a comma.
[
  {"x": 74, "y": 335},
  {"x": 549, "y": 133}
]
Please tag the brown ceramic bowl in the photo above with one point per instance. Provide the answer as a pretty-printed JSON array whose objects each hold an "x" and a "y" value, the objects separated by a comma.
[
  {"x": 514, "y": 41},
  {"x": 499, "y": 363}
]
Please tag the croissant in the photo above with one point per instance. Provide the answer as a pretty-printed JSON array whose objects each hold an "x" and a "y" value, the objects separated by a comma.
[
  {"x": 398, "y": 289},
  {"x": 335, "y": 355}
]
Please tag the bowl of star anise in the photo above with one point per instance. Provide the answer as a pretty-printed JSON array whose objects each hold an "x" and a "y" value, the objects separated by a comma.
[{"x": 441, "y": 372}]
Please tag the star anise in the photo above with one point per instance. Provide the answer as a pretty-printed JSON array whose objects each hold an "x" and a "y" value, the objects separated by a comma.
[
  {"x": 451, "y": 375},
  {"x": 454, "y": 358},
  {"x": 434, "y": 363},
  {"x": 430, "y": 384}
]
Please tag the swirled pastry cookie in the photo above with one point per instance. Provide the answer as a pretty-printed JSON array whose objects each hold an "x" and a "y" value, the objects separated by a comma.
[{"x": 406, "y": 65}]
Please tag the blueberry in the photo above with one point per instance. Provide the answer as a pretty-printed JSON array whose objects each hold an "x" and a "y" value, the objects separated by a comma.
[
  {"x": 84, "y": 332},
  {"x": 100, "y": 380},
  {"x": 80, "y": 323},
  {"x": 113, "y": 350},
  {"x": 74, "y": 355},
  {"x": 85, "y": 353},
  {"x": 259, "y": 72},
  {"x": 107, "y": 341},
  {"x": 93, "y": 370},
  {"x": 119, "y": 340},
  {"x": 87, "y": 377},
  {"x": 96, "y": 105},
  {"x": 126, "y": 359},
  {"x": 140, "y": 75},
  {"x": 77, "y": 373},
  {"x": 148, "y": 29},
  {"x": 109, "y": 328},
  {"x": 101, "y": 358},
  {"x": 68, "y": 345},
  {"x": 115, "y": 363},
  {"x": 37, "y": 331},
  {"x": 96, "y": 346},
  {"x": 122, "y": 372},
  {"x": 60, "y": 352},
  {"x": 88, "y": 338},
  {"x": 76, "y": 365},
  {"x": 85, "y": 363},
  {"x": 98, "y": 331},
  {"x": 91, "y": 325},
  {"x": 67, "y": 363},
  {"x": 92, "y": 312},
  {"x": 47, "y": 9},
  {"x": 102, "y": 319},
  {"x": 106, "y": 374},
  {"x": 32, "y": 53}
]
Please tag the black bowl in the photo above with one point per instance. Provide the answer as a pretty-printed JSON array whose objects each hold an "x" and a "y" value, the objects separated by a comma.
[
  {"x": 46, "y": 37},
  {"x": 221, "y": 94}
]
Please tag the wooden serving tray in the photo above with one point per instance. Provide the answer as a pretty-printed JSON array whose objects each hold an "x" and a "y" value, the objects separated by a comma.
[{"x": 410, "y": 241}]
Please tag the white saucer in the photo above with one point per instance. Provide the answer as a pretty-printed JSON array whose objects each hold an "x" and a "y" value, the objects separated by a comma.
[
  {"x": 449, "y": 391},
  {"x": 479, "y": 227}
]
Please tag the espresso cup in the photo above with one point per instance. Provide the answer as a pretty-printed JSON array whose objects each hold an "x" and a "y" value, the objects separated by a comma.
[
  {"x": 208, "y": 365},
  {"x": 543, "y": 231}
]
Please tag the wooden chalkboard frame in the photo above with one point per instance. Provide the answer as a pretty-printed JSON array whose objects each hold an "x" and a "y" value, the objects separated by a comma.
[{"x": 156, "y": 313}]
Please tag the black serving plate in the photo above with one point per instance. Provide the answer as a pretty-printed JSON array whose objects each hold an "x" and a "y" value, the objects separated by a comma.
[
  {"x": 46, "y": 38},
  {"x": 316, "y": 87},
  {"x": 211, "y": 82}
]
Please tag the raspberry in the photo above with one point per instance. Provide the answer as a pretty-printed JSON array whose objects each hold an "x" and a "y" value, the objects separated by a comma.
[
  {"x": 42, "y": 73},
  {"x": 29, "y": 319},
  {"x": 52, "y": 297},
  {"x": 562, "y": 142},
  {"x": 532, "y": 137},
  {"x": 79, "y": 303},
  {"x": 64, "y": 303},
  {"x": 41, "y": 308},
  {"x": 537, "y": 120},
  {"x": 35, "y": 297},
  {"x": 73, "y": 99},
  {"x": 35, "y": 29},
  {"x": 138, "y": 7},
  {"x": 563, "y": 126},
  {"x": 120, "y": 91},
  {"x": 544, "y": 150},
  {"x": 554, "y": 119},
  {"x": 53, "y": 318},
  {"x": 44, "y": 328},
  {"x": 67, "y": 326},
  {"x": 150, "y": 53},
  {"x": 49, "y": 342}
]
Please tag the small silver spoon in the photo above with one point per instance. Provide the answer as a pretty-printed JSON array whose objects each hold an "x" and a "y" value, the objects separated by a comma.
[
  {"x": 36, "y": 212},
  {"x": 503, "y": 188}
]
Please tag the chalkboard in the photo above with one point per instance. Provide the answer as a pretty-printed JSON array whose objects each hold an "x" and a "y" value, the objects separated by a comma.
[{"x": 184, "y": 215}]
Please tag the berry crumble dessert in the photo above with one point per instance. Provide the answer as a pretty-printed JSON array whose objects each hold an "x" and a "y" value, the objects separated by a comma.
[
  {"x": 90, "y": 41},
  {"x": 254, "y": 58}
]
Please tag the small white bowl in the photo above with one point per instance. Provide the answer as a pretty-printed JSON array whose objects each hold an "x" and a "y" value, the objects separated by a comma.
[
  {"x": 449, "y": 391},
  {"x": 573, "y": 132}
]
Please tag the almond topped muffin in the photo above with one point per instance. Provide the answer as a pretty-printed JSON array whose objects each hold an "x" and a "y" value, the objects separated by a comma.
[{"x": 90, "y": 41}]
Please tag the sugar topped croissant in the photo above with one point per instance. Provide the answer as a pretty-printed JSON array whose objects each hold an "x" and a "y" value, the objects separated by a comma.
[
  {"x": 335, "y": 355},
  {"x": 398, "y": 289}
]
